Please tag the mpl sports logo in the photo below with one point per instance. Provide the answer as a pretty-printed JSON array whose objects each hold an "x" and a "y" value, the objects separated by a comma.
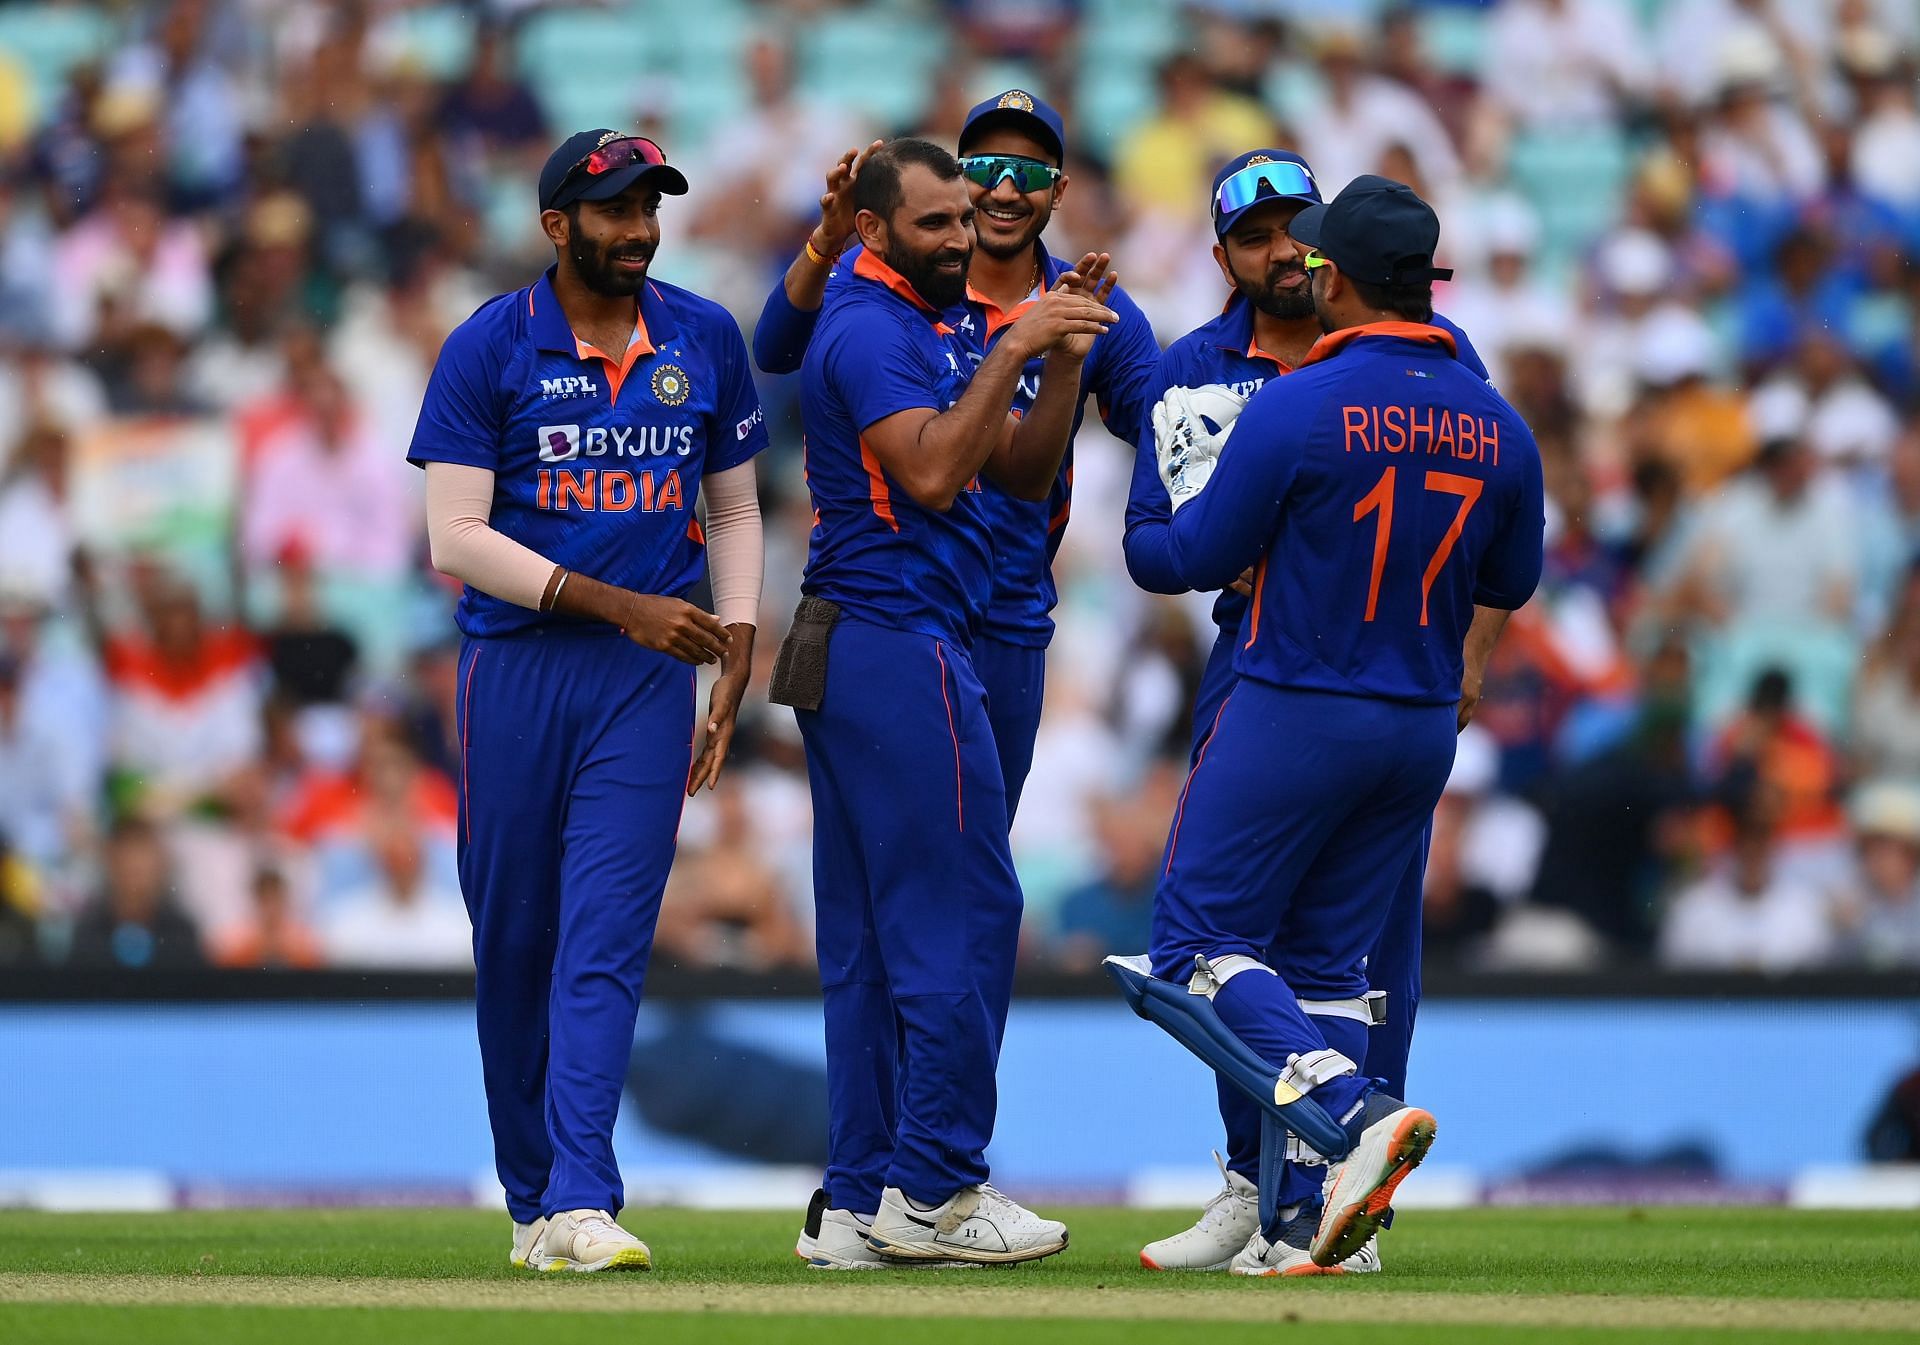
[{"x": 560, "y": 389}]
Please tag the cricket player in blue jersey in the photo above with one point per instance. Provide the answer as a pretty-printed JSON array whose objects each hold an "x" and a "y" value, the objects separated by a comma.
[
  {"x": 917, "y": 906},
  {"x": 1266, "y": 330},
  {"x": 567, "y": 432},
  {"x": 1380, "y": 493},
  {"x": 1013, "y": 155}
]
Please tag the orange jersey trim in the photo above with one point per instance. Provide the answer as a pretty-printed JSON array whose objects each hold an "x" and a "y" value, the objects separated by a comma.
[
  {"x": 877, "y": 493},
  {"x": 617, "y": 370},
  {"x": 1333, "y": 342},
  {"x": 869, "y": 267}
]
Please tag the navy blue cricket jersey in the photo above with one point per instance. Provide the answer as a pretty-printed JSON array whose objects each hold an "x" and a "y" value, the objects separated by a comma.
[
  {"x": 1026, "y": 533},
  {"x": 880, "y": 349},
  {"x": 1380, "y": 492},
  {"x": 1223, "y": 352},
  {"x": 597, "y": 459}
]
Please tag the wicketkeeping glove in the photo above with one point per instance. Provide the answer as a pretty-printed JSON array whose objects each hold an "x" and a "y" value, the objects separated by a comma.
[{"x": 1186, "y": 447}]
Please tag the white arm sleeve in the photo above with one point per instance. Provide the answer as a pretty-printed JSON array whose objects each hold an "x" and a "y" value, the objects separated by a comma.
[
  {"x": 736, "y": 554},
  {"x": 459, "y": 503}
]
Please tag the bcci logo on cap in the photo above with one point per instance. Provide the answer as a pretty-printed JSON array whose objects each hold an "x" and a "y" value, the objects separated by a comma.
[
  {"x": 1017, "y": 99},
  {"x": 1260, "y": 158},
  {"x": 670, "y": 384}
]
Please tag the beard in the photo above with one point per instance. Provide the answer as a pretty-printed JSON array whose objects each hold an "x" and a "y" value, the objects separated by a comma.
[
  {"x": 1270, "y": 297},
  {"x": 942, "y": 289},
  {"x": 596, "y": 269},
  {"x": 1036, "y": 224}
]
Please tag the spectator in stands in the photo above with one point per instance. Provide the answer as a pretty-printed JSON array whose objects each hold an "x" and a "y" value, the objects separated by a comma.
[
  {"x": 325, "y": 488},
  {"x": 135, "y": 923},
  {"x": 1114, "y": 912},
  {"x": 1166, "y": 161},
  {"x": 724, "y": 906},
  {"x": 185, "y": 698},
  {"x": 274, "y": 937},
  {"x": 1773, "y": 571},
  {"x": 1358, "y": 115},
  {"x": 1617, "y": 820},
  {"x": 1886, "y": 709},
  {"x": 1564, "y": 64},
  {"x": 1878, "y": 910},
  {"x": 1748, "y": 916},
  {"x": 400, "y": 919},
  {"x": 128, "y": 258},
  {"x": 35, "y": 519},
  {"x": 492, "y": 106},
  {"x": 19, "y": 908}
]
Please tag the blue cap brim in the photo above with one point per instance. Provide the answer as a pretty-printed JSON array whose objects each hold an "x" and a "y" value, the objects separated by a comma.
[
  {"x": 1306, "y": 225},
  {"x": 667, "y": 179},
  {"x": 1029, "y": 124}
]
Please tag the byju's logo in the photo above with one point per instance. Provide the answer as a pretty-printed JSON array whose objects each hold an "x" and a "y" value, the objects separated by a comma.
[
  {"x": 558, "y": 443},
  {"x": 559, "y": 389}
]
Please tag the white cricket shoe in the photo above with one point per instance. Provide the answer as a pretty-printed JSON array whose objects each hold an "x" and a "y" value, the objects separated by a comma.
[
  {"x": 976, "y": 1224},
  {"x": 1360, "y": 1186},
  {"x": 586, "y": 1241},
  {"x": 1290, "y": 1254},
  {"x": 835, "y": 1239},
  {"x": 1223, "y": 1228},
  {"x": 525, "y": 1238}
]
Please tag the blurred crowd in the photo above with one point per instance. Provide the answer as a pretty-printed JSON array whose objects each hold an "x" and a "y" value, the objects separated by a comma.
[{"x": 233, "y": 234}]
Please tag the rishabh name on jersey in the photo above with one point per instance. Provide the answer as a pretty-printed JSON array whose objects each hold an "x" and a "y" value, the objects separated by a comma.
[
  {"x": 597, "y": 460},
  {"x": 1387, "y": 490},
  {"x": 880, "y": 349},
  {"x": 1223, "y": 351}
]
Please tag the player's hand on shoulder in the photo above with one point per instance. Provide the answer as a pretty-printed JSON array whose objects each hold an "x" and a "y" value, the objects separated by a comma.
[{"x": 674, "y": 627}]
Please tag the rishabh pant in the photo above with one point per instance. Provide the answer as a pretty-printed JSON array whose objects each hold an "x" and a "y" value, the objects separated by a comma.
[
  {"x": 1015, "y": 678},
  {"x": 1393, "y": 965},
  {"x": 575, "y": 748},
  {"x": 917, "y": 918},
  {"x": 1297, "y": 828}
]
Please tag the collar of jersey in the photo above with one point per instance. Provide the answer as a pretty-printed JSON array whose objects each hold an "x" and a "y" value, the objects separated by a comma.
[
  {"x": 869, "y": 267},
  {"x": 1234, "y": 332},
  {"x": 1419, "y": 333},
  {"x": 1050, "y": 271},
  {"x": 551, "y": 330}
]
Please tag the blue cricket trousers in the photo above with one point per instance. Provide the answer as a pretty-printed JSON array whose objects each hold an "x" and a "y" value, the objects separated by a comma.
[
  {"x": 1015, "y": 678},
  {"x": 574, "y": 753},
  {"x": 1300, "y": 821},
  {"x": 917, "y": 913},
  {"x": 1392, "y": 966}
]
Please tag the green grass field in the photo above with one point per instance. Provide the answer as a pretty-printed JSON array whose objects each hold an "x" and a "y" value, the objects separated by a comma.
[{"x": 423, "y": 1277}]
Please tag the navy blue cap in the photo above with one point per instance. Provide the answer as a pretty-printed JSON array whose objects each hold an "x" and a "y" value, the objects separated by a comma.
[
  {"x": 559, "y": 190},
  {"x": 1376, "y": 230},
  {"x": 1019, "y": 109},
  {"x": 1254, "y": 192}
]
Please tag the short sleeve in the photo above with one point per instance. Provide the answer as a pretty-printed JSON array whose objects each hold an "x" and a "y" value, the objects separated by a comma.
[
  {"x": 875, "y": 366},
  {"x": 739, "y": 430},
  {"x": 460, "y": 418},
  {"x": 1510, "y": 569}
]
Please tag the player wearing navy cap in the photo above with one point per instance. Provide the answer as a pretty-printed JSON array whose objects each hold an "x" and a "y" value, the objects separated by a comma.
[
  {"x": 1379, "y": 493},
  {"x": 1013, "y": 154},
  {"x": 568, "y": 430},
  {"x": 917, "y": 906},
  {"x": 1266, "y": 330}
]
